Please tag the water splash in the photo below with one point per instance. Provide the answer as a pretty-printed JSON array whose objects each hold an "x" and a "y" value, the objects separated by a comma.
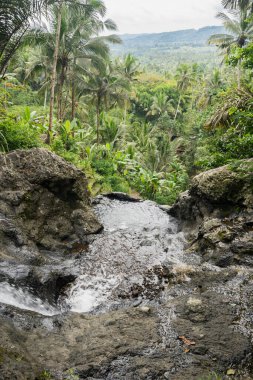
[
  {"x": 137, "y": 237},
  {"x": 22, "y": 299}
]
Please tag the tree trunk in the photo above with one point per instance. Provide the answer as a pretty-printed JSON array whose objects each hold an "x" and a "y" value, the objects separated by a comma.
[
  {"x": 125, "y": 119},
  {"x": 73, "y": 95},
  {"x": 178, "y": 105},
  {"x": 60, "y": 92},
  {"x": 65, "y": 105},
  {"x": 53, "y": 78},
  {"x": 45, "y": 99},
  {"x": 239, "y": 75},
  {"x": 98, "y": 119},
  {"x": 73, "y": 100}
]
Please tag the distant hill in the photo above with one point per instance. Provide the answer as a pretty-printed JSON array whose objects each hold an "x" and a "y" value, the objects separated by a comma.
[
  {"x": 139, "y": 43},
  {"x": 164, "y": 51}
]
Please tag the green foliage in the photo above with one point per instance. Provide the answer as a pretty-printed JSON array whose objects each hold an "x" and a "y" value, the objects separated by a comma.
[
  {"x": 223, "y": 147},
  {"x": 16, "y": 93},
  {"x": 18, "y": 134},
  {"x": 212, "y": 376},
  {"x": 154, "y": 90},
  {"x": 44, "y": 375},
  {"x": 71, "y": 375},
  {"x": 130, "y": 130}
]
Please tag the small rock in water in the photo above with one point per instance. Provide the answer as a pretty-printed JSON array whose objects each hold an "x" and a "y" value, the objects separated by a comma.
[
  {"x": 145, "y": 309},
  {"x": 194, "y": 302},
  {"x": 137, "y": 303},
  {"x": 231, "y": 372},
  {"x": 165, "y": 208}
]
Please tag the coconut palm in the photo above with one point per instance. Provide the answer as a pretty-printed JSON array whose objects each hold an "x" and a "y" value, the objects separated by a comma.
[
  {"x": 69, "y": 38},
  {"x": 129, "y": 68},
  {"x": 239, "y": 25},
  {"x": 81, "y": 45},
  {"x": 233, "y": 4},
  {"x": 15, "y": 19},
  {"x": 212, "y": 84},
  {"x": 185, "y": 77},
  {"x": 161, "y": 105},
  {"x": 106, "y": 89}
]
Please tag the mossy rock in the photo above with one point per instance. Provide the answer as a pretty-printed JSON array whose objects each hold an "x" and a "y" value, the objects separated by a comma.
[{"x": 227, "y": 184}]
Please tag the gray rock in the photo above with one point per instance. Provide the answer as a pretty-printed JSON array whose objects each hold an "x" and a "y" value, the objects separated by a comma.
[
  {"x": 217, "y": 214},
  {"x": 44, "y": 202}
]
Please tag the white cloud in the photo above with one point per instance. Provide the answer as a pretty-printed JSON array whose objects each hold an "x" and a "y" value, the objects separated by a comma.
[{"x": 151, "y": 16}]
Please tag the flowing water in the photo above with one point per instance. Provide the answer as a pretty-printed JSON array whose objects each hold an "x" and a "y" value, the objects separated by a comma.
[
  {"x": 122, "y": 266},
  {"x": 21, "y": 298}
]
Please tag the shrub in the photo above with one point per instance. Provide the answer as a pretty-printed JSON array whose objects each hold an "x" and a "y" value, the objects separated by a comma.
[
  {"x": 118, "y": 183},
  {"x": 103, "y": 167},
  {"x": 18, "y": 135}
]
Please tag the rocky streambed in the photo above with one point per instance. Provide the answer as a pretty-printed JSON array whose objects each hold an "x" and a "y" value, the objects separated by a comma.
[{"x": 121, "y": 288}]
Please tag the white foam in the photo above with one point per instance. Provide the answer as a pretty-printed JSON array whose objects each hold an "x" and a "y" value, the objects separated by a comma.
[
  {"x": 89, "y": 292},
  {"x": 22, "y": 299}
]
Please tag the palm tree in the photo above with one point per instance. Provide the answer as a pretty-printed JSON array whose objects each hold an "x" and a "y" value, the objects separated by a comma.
[
  {"x": 94, "y": 9},
  {"x": 240, "y": 26},
  {"x": 80, "y": 46},
  {"x": 54, "y": 68},
  {"x": 185, "y": 78},
  {"x": 106, "y": 89},
  {"x": 161, "y": 105},
  {"x": 129, "y": 68},
  {"x": 212, "y": 84},
  {"x": 68, "y": 39},
  {"x": 233, "y": 4},
  {"x": 15, "y": 19},
  {"x": 37, "y": 70}
]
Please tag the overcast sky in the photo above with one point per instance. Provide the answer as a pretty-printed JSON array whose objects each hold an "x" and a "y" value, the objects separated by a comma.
[{"x": 151, "y": 16}]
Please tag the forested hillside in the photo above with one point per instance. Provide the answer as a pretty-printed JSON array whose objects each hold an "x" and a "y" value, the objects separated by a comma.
[
  {"x": 167, "y": 50},
  {"x": 188, "y": 37},
  {"x": 131, "y": 127}
]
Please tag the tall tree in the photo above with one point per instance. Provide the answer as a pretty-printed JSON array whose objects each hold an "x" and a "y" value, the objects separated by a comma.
[
  {"x": 15, "y": 19},
  {"x": 239, "y": 24},
  {"x": 233, "y": 4},
  {"x": 106, "y": 89},
  {"x": 54, "y": 72},
  {"x": 129, "y": 68},
  {"x": 96, "y": 10},
  {"x": 185, "y": 78}
]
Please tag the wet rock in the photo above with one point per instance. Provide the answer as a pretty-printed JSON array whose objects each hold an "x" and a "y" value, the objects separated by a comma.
[
  {"x": 227, "y": 184},
  {"x": 86, "y": 344},
  {"x": 44, "y": 201},
  {"x": 146, "y": 309},
  {"x": 217, "y": 214},
  {"x": 209, "y": 321},
  {"x": 165, "y": 208},
  {"x": 122, "y": 197},
  {"x": 243, "y": 245}
]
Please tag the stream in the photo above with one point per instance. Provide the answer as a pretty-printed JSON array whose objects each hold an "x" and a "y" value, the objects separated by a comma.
[
  {"x": 127, "y": 303},
  {"x": 125, "y": 265}
]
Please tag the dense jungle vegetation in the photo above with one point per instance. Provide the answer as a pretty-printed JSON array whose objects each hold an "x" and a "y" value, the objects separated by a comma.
[{"x": 129, "y": 128}]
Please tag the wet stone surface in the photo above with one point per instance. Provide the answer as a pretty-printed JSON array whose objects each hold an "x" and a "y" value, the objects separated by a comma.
[{"x": 130, "y": 303}]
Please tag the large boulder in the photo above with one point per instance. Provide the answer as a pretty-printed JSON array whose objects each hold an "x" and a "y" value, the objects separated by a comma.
[
  {"x": 230, "y": 184},
  {"x": 44, "y": 203},
  {"x": 217, "y": 213}
]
